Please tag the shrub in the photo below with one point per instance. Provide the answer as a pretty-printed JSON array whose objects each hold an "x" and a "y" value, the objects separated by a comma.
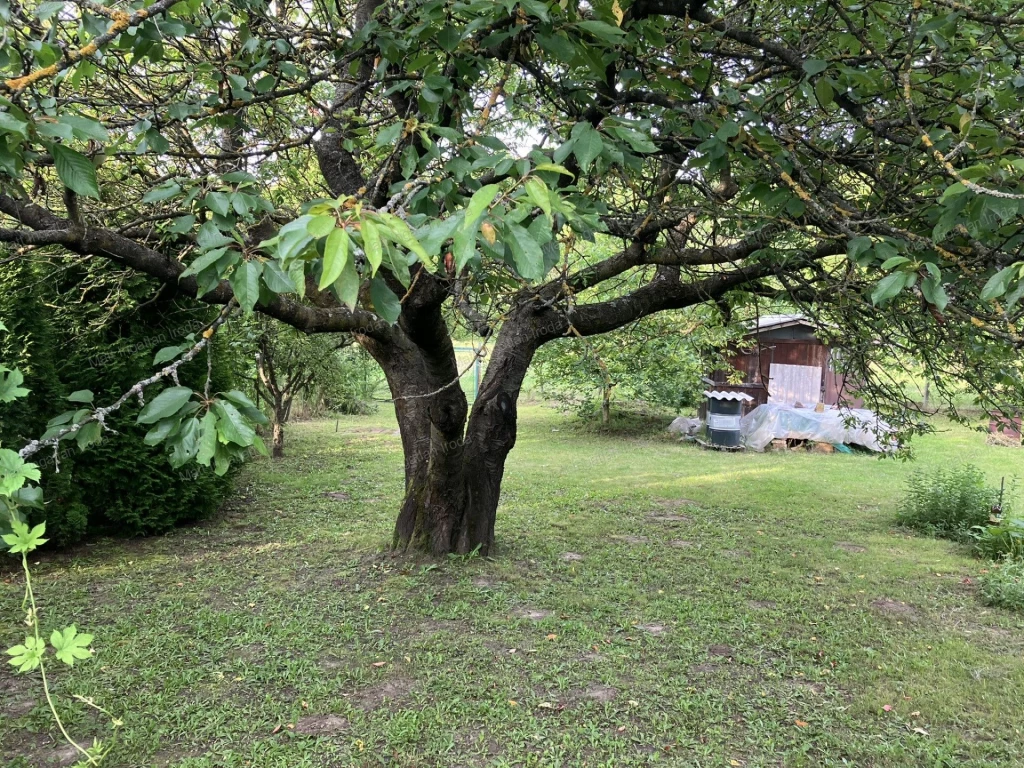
[
  {"x": 119, "y": 485},
  {"x": 1003, "y": 538},
  {"x": 948, "y": 502},
  {"x": 1003, "y": 586}
]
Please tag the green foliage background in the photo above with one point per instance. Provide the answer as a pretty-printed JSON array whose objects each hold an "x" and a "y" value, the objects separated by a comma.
[{"x": 106, "y": 344}]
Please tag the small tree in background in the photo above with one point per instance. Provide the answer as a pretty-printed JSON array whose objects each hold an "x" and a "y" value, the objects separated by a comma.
[{"x": 290, "y": 366}]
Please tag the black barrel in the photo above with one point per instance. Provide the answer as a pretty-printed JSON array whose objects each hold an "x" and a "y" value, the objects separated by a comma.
[{"x": 724, "y": 410}]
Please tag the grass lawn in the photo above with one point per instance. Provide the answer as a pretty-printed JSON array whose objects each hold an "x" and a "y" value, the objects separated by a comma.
[{"x": 650, "y": 604}]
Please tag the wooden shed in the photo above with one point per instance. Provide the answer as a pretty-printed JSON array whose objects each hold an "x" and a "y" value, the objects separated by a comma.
[{"x": 782, "y": 360}]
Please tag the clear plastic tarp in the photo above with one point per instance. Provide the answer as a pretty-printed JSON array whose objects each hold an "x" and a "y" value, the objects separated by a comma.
[{"x": 838, "y": 426}]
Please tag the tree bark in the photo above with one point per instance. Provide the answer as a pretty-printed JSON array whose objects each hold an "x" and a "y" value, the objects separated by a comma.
[{"x": 277, "y": 439}]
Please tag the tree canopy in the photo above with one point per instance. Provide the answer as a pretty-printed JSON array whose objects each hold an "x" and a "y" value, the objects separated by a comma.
[{"x": 389, "y": 168}]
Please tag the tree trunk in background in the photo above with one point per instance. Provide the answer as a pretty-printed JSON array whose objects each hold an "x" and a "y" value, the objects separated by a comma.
[
  {"x": 277, "y": 437},
  {"x": 606, "y": 404}
]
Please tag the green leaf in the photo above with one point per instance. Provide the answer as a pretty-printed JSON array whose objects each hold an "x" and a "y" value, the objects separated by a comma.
[
  {"x": 1005, "y": 209},
  {"x": 29, "y": 655},
  {"x": 587, "y": 144},
  {"x": 463, "y": 248},
  {"x": 401, "y": 234},
  {"x": 88, "y": 434},
  {"x": 70, "y": 645},
  {"x": 167, "y": 403},
  {"x": 162, "y": 192},
  {"x": 10, "y": 385},
  {"x": 952, "y": 191},
  {"x": 29, "y": 496},
  {"x": 321, "y": 226},
  {"x": 184, "y": 443},
  {"x": 207, "y": 438},
  {"x": 555, "y": 168},
  {"x": 167, "y": 354},
  {"x": 10, "y": 124},
  {"x": 824, "y": 91},
  {"x": 434, "y": 234},
  {"x": 815, "y": 66},
  {"x": 389, "y": 136},
  {"x": 889, "y": 286},
  {"x": 895, "y": 261},
  {"x": 478, "y": 203},
  {"x": 347, "y": 285},
  {"x": 385, "y": 303},
  {"x": 600, "y": 29},
  {"x": 75, "y": 170},
  {"x": 526, "y": 253},
  {"x": 335, "y": 256},
  {"x": 85, "y": 128},
  {"x": 161, "y": 431},
  {"x": 15, "y": 472},
  {"x": 934, "y": 293},
  {"x": 998, "y": 284},
  {"x": 218, "y": 202},
  {"x": 857, "y": 246},
  {"x": 246, "y": 406},
  {"x": 81, "y": 396},
  {"x": 276, "y": 279},
  {"x": 245, "y": 282},
  {"x": 728, "y": 130},
  {"x": 231, "y": 425},
  {"x": 537, "y": 191},
  {"x": 22, "y": 540},
  {"x": 371, "y": 244}
]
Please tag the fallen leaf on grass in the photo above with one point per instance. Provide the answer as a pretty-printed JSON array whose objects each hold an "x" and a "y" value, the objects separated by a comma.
[
  {"x": 379, "y": 663},
  {"x": 551, "y": 637},
  {"x": 513, "y": 703},
  {"x": 801, "y": 723},
  {"x": 887, "y": 707},
  {"x": 921, "y": 731}
]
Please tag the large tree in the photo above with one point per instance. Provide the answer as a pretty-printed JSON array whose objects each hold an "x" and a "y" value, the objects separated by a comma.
[{"x": 390, "y": 169}]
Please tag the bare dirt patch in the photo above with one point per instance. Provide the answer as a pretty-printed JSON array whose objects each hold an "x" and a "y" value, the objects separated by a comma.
[
  {"x": 337, "y": 496},
  {"x": 653, "y": 629},
  {"x": 389, "y": 691},
  {"x": 533, "y": 614},
  {"x": 761, "y": 604},
  {"x": 893, "y": 607},
  {"x": 681, "y": 544},
  {"x": 676, "y": 503},
  {"x": 321, "y": 725},
  {"x": 703, "y": 669},
  {"x": 18, "y": 708},
  {"x": 735, "y": 554},
  {"x": 848, "y": 546},
  {"x": 572, "y": 557},
  {"x": 599, "y": 693},
  {"x": 724, "y": 651}
]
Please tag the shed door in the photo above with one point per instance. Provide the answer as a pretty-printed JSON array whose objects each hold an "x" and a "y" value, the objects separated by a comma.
[{"x": 791, "y": 384}]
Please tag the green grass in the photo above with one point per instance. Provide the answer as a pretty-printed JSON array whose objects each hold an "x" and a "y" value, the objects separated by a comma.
[{"x": 720, "y": 609}]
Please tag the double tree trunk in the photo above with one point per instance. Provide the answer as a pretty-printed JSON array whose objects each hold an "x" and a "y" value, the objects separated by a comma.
[{"x": 454, "y": 457}]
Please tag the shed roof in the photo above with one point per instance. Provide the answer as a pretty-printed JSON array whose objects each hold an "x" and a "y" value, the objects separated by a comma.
[{"x": 772, "y": 322}]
